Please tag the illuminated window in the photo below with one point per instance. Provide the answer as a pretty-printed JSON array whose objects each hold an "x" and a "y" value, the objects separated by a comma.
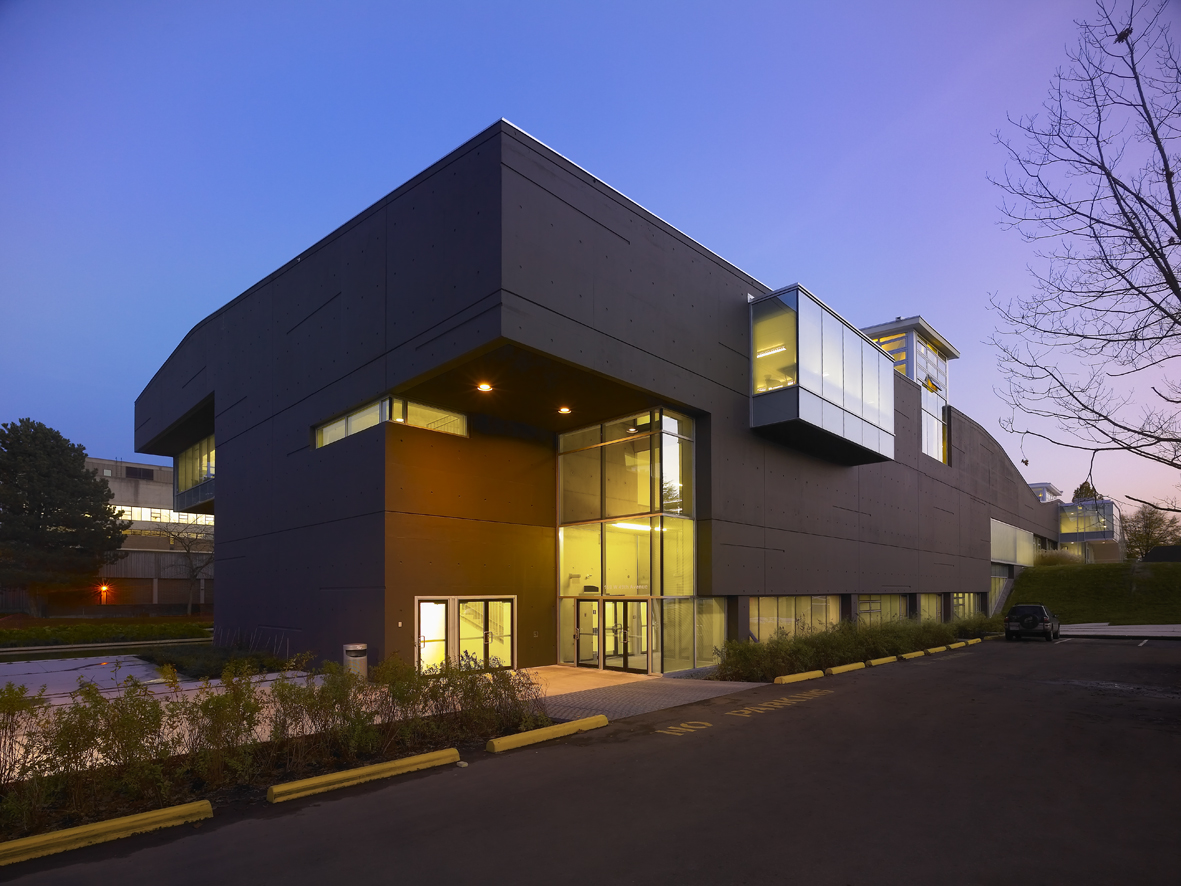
[
  {"x": 195, "y": 465},
  {"x": 161, "y": 515},
  {"x": 392, "y": 409}
]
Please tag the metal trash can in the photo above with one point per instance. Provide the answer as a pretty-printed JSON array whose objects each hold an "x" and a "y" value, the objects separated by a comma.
[{"x": 356, "y": 659}]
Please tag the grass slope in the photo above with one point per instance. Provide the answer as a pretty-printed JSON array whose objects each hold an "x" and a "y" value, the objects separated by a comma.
[{"x": 1120, "y": 593}]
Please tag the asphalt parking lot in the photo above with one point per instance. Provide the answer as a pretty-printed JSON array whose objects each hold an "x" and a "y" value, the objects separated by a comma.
[{"x": 1002, "y": 763}]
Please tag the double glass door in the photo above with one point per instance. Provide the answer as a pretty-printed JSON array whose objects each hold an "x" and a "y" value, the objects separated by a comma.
[
  {"x": 612, "y": 634},
  {"x": 474, "y": 633}
]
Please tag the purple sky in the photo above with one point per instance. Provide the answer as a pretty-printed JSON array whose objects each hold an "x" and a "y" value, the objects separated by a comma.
[{"x": 156, "y": 159}]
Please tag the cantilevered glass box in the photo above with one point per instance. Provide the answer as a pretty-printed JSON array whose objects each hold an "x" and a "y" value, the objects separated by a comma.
[{"x": 817, "y": 383}]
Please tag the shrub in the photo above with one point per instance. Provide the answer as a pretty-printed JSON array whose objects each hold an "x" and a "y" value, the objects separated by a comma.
[{"x": 1057, "y": 558}]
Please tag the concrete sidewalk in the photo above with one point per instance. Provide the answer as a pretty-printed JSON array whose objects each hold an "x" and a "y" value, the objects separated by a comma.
[
  {"x": 641, "y": 697},
  {"x": 1098, "y": 630}
]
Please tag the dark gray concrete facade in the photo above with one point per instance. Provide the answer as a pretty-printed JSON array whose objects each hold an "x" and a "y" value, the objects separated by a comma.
[{"x": 506, "y": 261}]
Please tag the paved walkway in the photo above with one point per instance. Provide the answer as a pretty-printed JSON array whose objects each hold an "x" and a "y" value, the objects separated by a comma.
[
  {"x": 640, "y": 697},
  {"x": 60, "y": 676},
  {"x": 1104, "y": 629}
]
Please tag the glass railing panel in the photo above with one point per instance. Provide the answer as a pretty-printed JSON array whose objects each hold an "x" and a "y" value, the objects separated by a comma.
[
  {"x": 852, "y": 371},
  {"x": 871, "y": 359},
  {"x": 811, "y": 345},
  {"x": 832, "y": 357}
]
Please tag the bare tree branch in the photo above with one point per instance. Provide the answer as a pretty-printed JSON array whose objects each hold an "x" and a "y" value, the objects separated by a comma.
[{"x": 1092, "y": 182}]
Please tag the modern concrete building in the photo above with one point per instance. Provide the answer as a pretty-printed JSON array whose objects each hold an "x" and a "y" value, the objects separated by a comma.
[
  {"x": 154, "y": 577},
  {"x": 507, "y": 413}
]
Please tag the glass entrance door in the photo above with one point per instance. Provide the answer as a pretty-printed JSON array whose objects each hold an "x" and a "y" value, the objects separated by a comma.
[
  {"x": 486, "y": 633},
  {"x": 586, "y": 634},
  {"x": 625, "y": 635},
  {"x": 432, "y": 633}
]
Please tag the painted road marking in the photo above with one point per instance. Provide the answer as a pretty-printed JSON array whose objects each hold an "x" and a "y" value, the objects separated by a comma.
[
  {"x": 685, "y": 728},
  {"x": 774, "y": 704},
  {"x": 1141, "y": 643},
  {"x": 777, "y": 703}
]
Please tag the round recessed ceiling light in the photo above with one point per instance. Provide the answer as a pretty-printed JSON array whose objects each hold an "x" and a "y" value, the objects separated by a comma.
[
  {"x": 565, "y": 410},
  {"x": 484, "y": 386}
]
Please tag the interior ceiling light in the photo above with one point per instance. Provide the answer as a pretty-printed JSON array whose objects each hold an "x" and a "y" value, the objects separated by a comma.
[
  {"x": 632, "y": 429},
  {"x": 565, "y": 410},
  {"x": 484, "y": 386}
]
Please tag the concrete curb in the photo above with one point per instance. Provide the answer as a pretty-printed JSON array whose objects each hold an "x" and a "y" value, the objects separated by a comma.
[
  {"x": 796, "y": 678},
  {"x": 102, "y": 831},
  {"x": 935, "y": 649},
  {"x": 521, "y": 739},
  {"x": 957, "y": 645},
  {"x": 842, "y": 669},
  {"x": 291, "y": 790},
  {"x": 973, "y": 641},
  {"x": 878, "y": 662},
  {"x": 907, "y": 656}
]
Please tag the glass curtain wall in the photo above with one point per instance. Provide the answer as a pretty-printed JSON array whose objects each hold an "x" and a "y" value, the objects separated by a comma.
[
  {"x": 626, "y": 530},
  {"x": 845, "y": 380},
  {"x": 792, "y": 615}
]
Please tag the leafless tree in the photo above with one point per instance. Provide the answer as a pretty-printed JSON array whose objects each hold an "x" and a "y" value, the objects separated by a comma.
[
  {"x": 1147, "y": 527},
  {"x": 195, "y": 541},
  {"x": 1089, "y": 358}
]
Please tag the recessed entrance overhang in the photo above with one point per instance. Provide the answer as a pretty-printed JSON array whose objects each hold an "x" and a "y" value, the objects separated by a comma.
[{"x": 528, "y": 388}]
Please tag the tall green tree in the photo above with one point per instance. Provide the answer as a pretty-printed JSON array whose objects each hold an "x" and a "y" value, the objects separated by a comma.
[
  {"x": 1148, "y": 527},
  {"x": 1085, "y": 492},
  {"x": 57, "y": 526}
]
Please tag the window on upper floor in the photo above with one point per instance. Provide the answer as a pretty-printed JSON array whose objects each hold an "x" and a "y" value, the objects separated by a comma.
[{"x": 394, "y": 409}]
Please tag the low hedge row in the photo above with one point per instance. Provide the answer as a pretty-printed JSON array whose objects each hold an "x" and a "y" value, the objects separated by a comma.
[
  {"x": 845, "y": 643},
  {"x": 64, "y": 635}
]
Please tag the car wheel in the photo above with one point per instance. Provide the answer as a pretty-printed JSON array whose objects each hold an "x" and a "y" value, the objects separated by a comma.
[
  {"x": 1050, "y": 636},
  {"x": 1008, "y": 637}
]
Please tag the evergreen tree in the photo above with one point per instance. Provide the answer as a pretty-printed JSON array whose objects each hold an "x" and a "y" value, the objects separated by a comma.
[
  {"x": 57, "y": 526},
  {"x": 1085, "y": 492}
]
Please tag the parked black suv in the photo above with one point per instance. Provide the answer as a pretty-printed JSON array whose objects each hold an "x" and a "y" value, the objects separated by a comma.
[{"x": 1031, "y": 619}]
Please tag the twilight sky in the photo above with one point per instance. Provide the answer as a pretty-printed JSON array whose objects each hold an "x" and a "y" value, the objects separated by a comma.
[{"x": 157, "y": 159}]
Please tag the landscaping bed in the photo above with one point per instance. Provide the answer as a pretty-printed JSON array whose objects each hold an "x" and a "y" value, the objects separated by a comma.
[
  {"x": 139, "y": 749},
  {"x": 209, "y": 662},
  {"x": 64, "y": 634},
  {"x": 1118, "y": 593},
  {"x": 844, "y": 643}
]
